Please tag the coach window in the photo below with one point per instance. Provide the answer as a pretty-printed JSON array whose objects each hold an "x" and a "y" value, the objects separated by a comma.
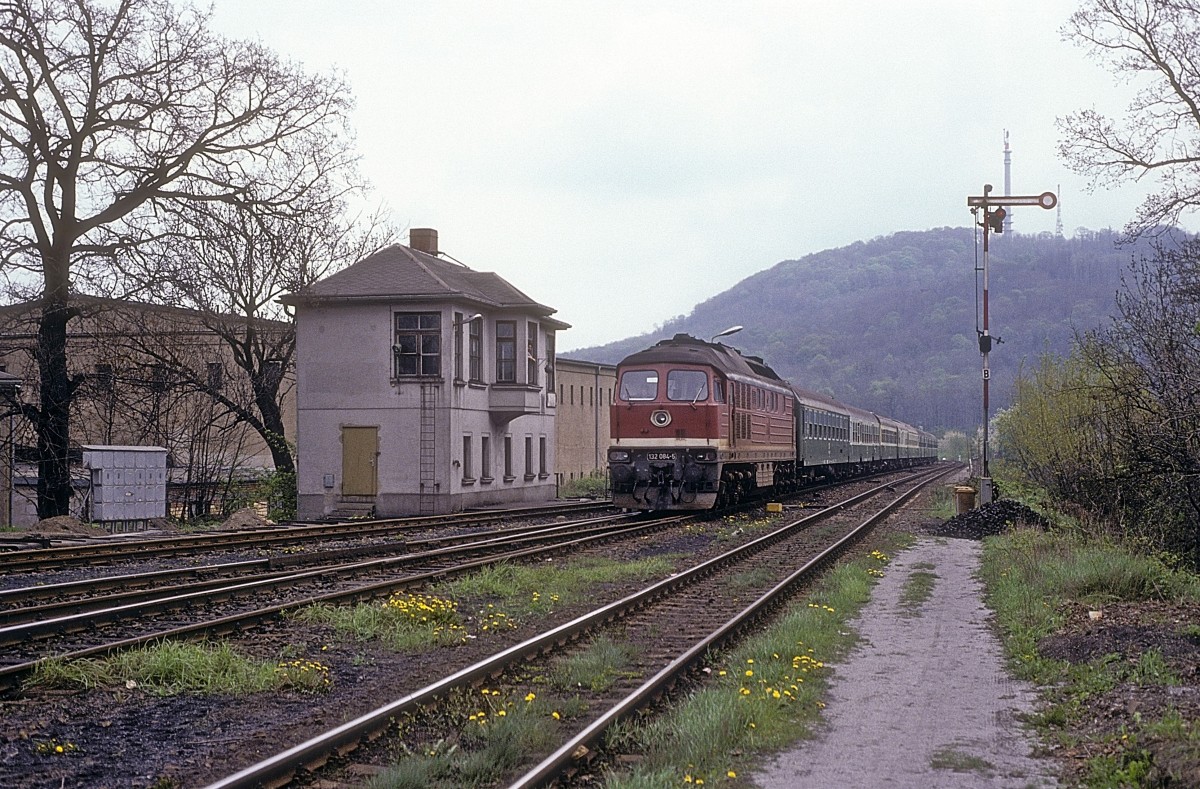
[
  {"x": 418, "y": 344},
  {"x": 639, "y": 385},
  {"x": 718, "y": 390},
  {"x": 506, "y": 352}
]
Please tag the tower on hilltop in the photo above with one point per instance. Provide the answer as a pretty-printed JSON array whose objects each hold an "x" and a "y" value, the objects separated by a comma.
[{"x": 1007, "y": 182}]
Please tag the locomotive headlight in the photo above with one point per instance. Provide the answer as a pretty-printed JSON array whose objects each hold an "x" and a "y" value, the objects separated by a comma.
[
  {"x": 618, "y": 456},
  {"x": 660, "y": 418}
]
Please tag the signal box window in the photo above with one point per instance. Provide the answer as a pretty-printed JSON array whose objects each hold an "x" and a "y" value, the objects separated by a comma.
[
  {"x": 639, "y": 385},
  {"x": 506, "y": 352},
  {"x": 475, "y": 350},
  {"x": 418, "y": 344},
  {"x": 687, "y": 385},
  {"x": 531, "y": 360}
]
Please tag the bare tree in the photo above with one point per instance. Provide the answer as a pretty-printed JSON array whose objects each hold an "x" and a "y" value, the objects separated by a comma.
[
  {"x": 1157, "y": 41},
  {"x": 230, "y": 263},
  {"x": 112, "y": 113}
]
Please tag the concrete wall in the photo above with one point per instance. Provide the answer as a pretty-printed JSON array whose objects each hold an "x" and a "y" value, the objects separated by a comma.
[{"x": 585, "y": 391}]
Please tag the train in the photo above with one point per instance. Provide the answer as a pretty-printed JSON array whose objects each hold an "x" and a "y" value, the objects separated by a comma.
[{"x": 697, "y": 425}]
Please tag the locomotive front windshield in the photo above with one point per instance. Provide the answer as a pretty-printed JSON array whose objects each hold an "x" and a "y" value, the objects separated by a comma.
[
  {"x": 639, "y": 385},
  {"x": 687, "y": 385}
]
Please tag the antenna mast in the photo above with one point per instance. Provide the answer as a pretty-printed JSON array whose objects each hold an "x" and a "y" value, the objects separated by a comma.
[
  {"x": 1007, "y": 181},
  {"x": 1058, "y": 214}
]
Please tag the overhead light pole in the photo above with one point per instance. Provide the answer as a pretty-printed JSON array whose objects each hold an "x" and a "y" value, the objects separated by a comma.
[
  {"x": 726, "y": 332},
  {"x": 994, "y": 213}
]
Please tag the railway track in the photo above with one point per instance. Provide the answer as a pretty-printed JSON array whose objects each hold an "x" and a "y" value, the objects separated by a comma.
[
  {"x": 443, "y": 556},
  {"x": 683, "y": 616},
  {"x": 42, "y": 560}
]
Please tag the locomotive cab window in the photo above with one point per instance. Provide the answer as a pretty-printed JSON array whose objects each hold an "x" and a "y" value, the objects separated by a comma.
[
  {"x": 687, "y": 385},
  {"x": 639, "y": 385}
]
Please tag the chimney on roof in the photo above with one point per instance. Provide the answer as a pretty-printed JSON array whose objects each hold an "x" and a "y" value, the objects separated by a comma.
[{"x": 423, "y": 239}]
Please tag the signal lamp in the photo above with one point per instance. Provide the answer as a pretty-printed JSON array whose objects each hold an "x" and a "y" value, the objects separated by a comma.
[{"x": 995, "y": 219}]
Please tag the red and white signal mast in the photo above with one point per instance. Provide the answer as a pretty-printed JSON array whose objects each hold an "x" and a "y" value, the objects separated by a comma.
[{"x": 994, "y": 213}]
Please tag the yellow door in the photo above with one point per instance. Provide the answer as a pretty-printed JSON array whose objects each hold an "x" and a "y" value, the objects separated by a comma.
[{"x": 360, "y": 448}]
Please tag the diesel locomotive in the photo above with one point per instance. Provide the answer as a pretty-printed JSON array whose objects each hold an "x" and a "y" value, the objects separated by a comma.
[{"x": 697, "y": 425}]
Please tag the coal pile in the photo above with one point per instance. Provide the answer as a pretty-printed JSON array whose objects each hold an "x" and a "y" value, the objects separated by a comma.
[{"x": 993, "y": 518}]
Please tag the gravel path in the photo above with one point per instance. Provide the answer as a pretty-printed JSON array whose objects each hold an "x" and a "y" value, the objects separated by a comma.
[{"x": 924, "y": 700}]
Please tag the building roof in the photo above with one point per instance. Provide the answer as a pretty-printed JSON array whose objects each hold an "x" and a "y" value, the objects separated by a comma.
[
  {"x": 92, "y": 306},
  {"x": 398, "y": 272}
]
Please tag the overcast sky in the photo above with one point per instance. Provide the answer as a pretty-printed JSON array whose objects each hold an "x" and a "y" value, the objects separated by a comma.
[{"x": 624, "y": 161}]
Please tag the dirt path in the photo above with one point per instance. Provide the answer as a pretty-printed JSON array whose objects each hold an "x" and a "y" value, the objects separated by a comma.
[{"x": 924, "y": 700}]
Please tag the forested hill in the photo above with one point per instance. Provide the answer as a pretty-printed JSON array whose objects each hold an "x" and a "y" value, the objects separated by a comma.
[{"x": 890, "y": 324}]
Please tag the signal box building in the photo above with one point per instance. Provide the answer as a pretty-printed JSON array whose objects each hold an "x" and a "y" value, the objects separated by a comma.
[{"x": 422, "y": 387}]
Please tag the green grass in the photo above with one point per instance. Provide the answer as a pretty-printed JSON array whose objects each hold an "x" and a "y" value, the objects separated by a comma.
[
  {"x": 487, "y": 734},
  {"x": 501, "y": 597},
  {"x": 918, "y": 588},
  {"x": 595, "y": 668},
  {"x": 763, "y": 694},
  {"x": 1031, "y": 576},
  {"x": 943, "y": 502},
  {"x": 525, "y": 590},
  {"x": 746, "y": 523},
  {"x": 591, "y": 486},
  {"x": 959, "y": 762},
  {"x": 171, "y": 668},
  {"x": 406, "y": 621}
]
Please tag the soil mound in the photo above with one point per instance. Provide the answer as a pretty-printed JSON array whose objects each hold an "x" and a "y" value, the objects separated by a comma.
[
  {"x": 246, "y": 518},
  {"x": 65, "y": 526}
]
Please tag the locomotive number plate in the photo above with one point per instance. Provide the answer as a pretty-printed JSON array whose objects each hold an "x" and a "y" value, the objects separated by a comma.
[{"x": 660, "y": 456}]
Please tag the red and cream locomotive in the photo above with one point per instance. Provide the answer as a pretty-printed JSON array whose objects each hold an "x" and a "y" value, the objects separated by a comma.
[{"x": 697, "y": 425}]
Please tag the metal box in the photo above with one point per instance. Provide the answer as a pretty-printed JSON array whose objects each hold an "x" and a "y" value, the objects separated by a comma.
[{"x": 128, "y": 483}]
